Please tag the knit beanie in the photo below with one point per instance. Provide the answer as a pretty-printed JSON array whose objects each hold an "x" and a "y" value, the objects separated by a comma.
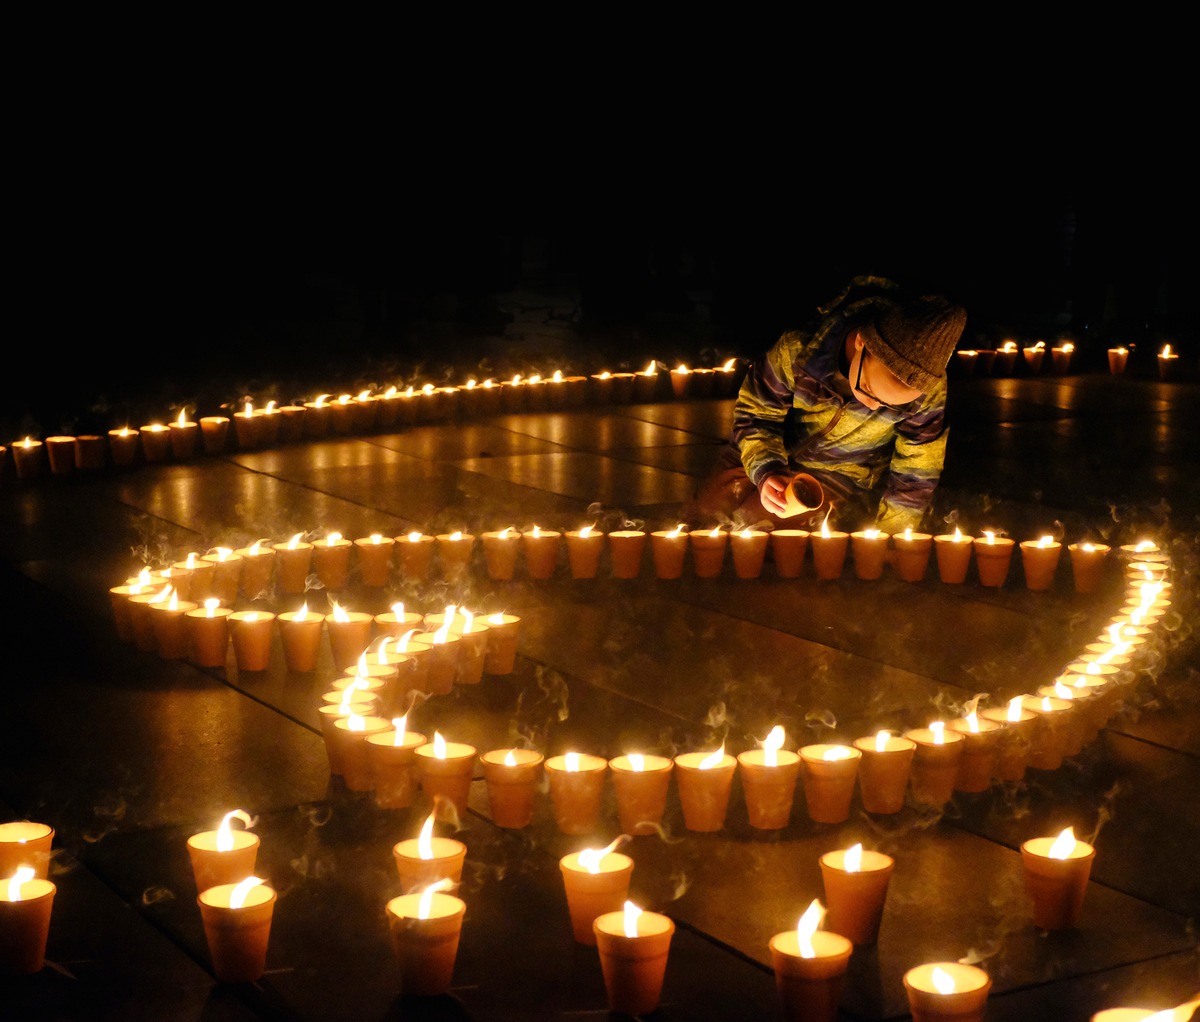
[{"x": 916, "y": 339}]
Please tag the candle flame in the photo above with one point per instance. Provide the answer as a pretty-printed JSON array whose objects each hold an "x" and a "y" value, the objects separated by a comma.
[
  {"x": 681, "y": 368},
  {"x": 678, "y": 530},
  {"x": 173, "y": 602},
  {"x": 439, "y": 745},
  {"x": 651, "y": 369},
  {"x": 881, "y": 740},
  {"x": 294, "y": 541},
  {"x": 637, "y": 762},
  {"x": 468, "y": 621},
  {"x": 1063, "y": 845},
  {"x": 772, "y": 744},
  {"x": 807, "y": 926},
  {"x": 585, "y": 532},
  {"x": 972, "y": 720},
  {"x": 870, "y": 533},
  {"x": 237, "y": 897},
  {"x": 1166, "y": 352},
  {"x": 355, "y": 723},
  {"x": 425, "y": 906},
  {"x": 853, "y": 860},
  {"x": 836, "y": 752},
  {"x": 1009, "y": 346},
  {"x": 716, "y": 532},
  {"x": 339, "y": 614},
  {"x": 510, "y": 759},
  {"x": 398, "y": 611},
  {"x": 210, "y": 606},
  {"x": 22, "y": 875},
  {"x": 1145, "y": 545},
  {"x": 400, "y": 724},
  {"x": 991, "y": 537},
  {"x": 536, "y": 533},
  {"x": 943, "y": 982},
  {"x": 425, "y": 838},
  {"x": 333, "y": 539},
  {"x": 414, "y": 536},
  {"x": 938, "y": 728},
  {"x": 1087, "y": 548},
  {"x": 497, "y": 618},
  {"x": 825, "y": 534},
  {"x": 728, "y": 366},
  {"x": 632, "y": 912},
  {"x": 713, "y": 759},
  {"x": 590, "y": 858},
  {"x": 456, "y": 535},
  {"x": 1062, "y": 691},
  {"x": 302, "y": 613},
  {"x": 1045, "y": 541}
]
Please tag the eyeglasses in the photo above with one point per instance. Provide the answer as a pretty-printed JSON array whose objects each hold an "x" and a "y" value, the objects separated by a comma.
[{"x": 858, "y": 385}]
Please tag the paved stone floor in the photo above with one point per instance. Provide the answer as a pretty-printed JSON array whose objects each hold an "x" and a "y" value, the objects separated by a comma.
[{"x": 126, "y": 754}]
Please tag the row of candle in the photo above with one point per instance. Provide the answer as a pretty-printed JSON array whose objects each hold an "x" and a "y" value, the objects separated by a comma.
[
  {"x": 1002, "y": 361},
  {"x": 357, "y": 414},
  {"x": 373, "y": 561}
]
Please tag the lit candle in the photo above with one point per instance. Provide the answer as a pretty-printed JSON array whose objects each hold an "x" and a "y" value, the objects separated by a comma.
[
  {"x": 351, "y": 733},
  {"x": 300, "y": 632},
  {"x": 122, "y": 445},
  {"x": 257, "y": 564},
  {"x": 681, "y": 381},
  {"x": 60, "y": 450},
  {"x": 511, "y": 777},
  {"x": 1039, "y": 558},
  {"x": 1012, "y": 748},
  {"x": 708, "y": 551},
  {"x": 941, "y": 991},
  {"x": 237, "y": 927},
  {"x": 993, "y": 554},
  {"x": 1034, "y": 354},
  {"x": 626, "y": 548},
  {"x": 426, "y": 859},
  {"x": 442, "y": 658},
  {"x": 1087, "y": 565},
  {"x": 224, "y": 855},
  {"x": 293, "y": 560},
  {"x": 584, "y": 546},
  {"x": 596, "y": 881},
  {"x": 953, "y": 556},
  {"x": 1117, "y": 359},
  {"x": 977, "y": 763},
  {"x": 668, "y": 549},
  {"x": 810, "y": 968},
  {"x": 829, "y": 550},
  {"x": 633, "y": 947},
  {"x": 250, "y": 634},
  {"x": 425, "y": 930},
  {"x": 349, "y": 635},
  {"x": 183, "y": 435},
  {"x": 454, "y": 552},
  {"x": 646, "y": 383},
  {"x": 640, "y": 782},
  {"x": 331, "y": 561},
  {"x": 749, "y": 552},
  {"x": 576, "y": 792},
  {"x": 828, "y": 773},
  {"x": 208, "y": 633},
  {"x": 1006, "y": 359},
  {"x": 870, "y": 552},
  {"x": 1168, "y": 362},
  {"x": 704, "y": 781},
  {"x": 169, "y": 625},
  {"x": 912, "y": 554},
  {"x": 769, "y": 778},
  {"x": 1050, "y": 735},
  {"x": 856, "y": 884},
  {"x": 1060, "y": 356},
  {"x": 24, "y": 843},
  {"x": 500, "y": 549},
  {"x": 884, "y": 771},
  {"x": 503, "y": 635},
  {"x": 397, "y": 620},
  {"x": 935, "y": 763},
  {"x": 214, "y": 432},
  {"x": 156, "y": 441},
  {"x": 1056, "y": 878},
  {"x": 541, "y": 552},
  {"x": 416, "y": 555},
  {"x": 446, "y": 769},
  {"x": 26, "y": 902},
  {"x": 374, "y": 559}
]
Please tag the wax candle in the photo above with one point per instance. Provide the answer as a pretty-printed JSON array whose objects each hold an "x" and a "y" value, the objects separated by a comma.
[
  {"x": 208, "y": 633},
  {"x": 704, "y": 781},
  {"x": 257, "y": 569},
  {"x": 247, "y": 427},
  {"x": 576, "y": 791},
  {"x": 953, "y": 556},
  {"x": 329, "y": 713},
  {"x": 993, "y": 554},
  {"x": 626, "y": 548},
  {"x": 224, "y": 855},
  {"x": 884, "y": 771},
  {"x": 708, "y": 551},
  {"x": 1040, "y": 560},
  {"x": 317, "y": 416},
  {"x": 870, "y": 551},
  {"x": 945, "y": 991},
  {"x": 977, "y": 763},
  {"x": 250, "y": 634},
  {"x": 749, "y": 548},
  {"x": 584, "y": 547},
  {"x": 681, "y": 379},
  {"x": 425, "y": 930},
  {"x": 810, "y": 968},
  {"x": 291, "y": 426},
  {"x": 1087, "y": 565},
  {"x": 91, "y": 452},
  {"x": 156, "y": 441},
  {"x": 225, "y": 580},
  {"x": 540, "y": 547},
  {"x": 511, "y": 777},
  {"x": 1034, "y": 355},
  {"x": 769, "y": 778},
  {"x": 1060, "y": 357},
  {"x": 912, "y": 554},
  {"x": 856, "y": 884},
  {"x": 427, "y": 858},
  {"x": 802, "y": 494},
  {"x": 60, "y": 451},
  {"x": 167, "y": 618},
  {"x": 237, "y": 927},
  {"x": 829, "y": 550},
  {"x": 349, "y": 635},
  {"x": 646, "y": 385},
  {"x": 788, "y": 547},
  {"x": 415, "y": 552},
  {"x": 374, "y": 559},
  {"x": 351, "y": 733},
  {"x": 300, "y": 632},
  {"x": 668, "y": 550},
  {"x": 442, "y": 658},
  {"x": 640, "y": 782},
  {"x": 25, "y": 843},
  {"x": 28, "y": 455},
  {"x": 827, "y": 775},
  {"x": 454, "y": 552},
  {"x": 964, "y": 362},
  {"x": 1168, "y": 363},
  {"x": 398, "y": 620},
  {"x": 1051, "y": 732},
  {"x": 446, "y": 769},
  {"x": 503, "y": 636},
  {"x": 596, "y": 881},
  {"x": 122, "y": 446},
  {"x": 634, "y": 946},
  {"x": 183, "y": 435},
  {"x": 1006, "y": 359},
  {"x": 26, "y": 902},
  {"x": 1056, "y": 877},
  {"x": 985, "y": 360},
  {"x": 139, "y": 617},
  {"x": 500, "y": 550},
  {"x": 1015, "y": 741},
  {"x": 935, "y": 763}
]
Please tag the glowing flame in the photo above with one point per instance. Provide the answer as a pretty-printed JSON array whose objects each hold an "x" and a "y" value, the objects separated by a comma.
[
  {"x": 881, "y": 740},
  {"x": 425, "y": 838},
  {"x": 249, "y": 409},
  {"x": 651, "y": 369},
  {"x": 590, "y": 858},
  {"x": 210, "y": 606},
  {"x": 1009, "y": 346},
  {"x": 585, "y": 532},
  {"x": 414, "y": 537},
  {"x": 182, "y": 420},
  {"x": 190, "y": 561},
  {"x": 972, "y": 720},
  {"x": 632, "y": 912},
  {"x": 333, "y": 539},
  {"x": 376, "y": 538},
  {"x": 398, "y": 610},
  {"x": 943, "y": 982},
  {"x": 1145, "y": 545},
  {"x": 1045, "y": 541},
  {"x": 22, "y": 876},
  {"x": 456, "y": 535},
  {"x": 713, "y": 759},
  {"x": 425, "y": 906},
  {"x": 468, "y": 621},
  {"x": 497, "y": 618},
  {"x": 853, "y": 861},
  {"x": 991, "y": 537},
  {"x": 1087, "y": 548},
  {"x": 938, "y": 727},
  {"x": 637, "y": 762},
  {"x": 355, "y": 723},
  {"x": 728, "y": 366},
  {"x": 1016, "y": 709},
  {"x": 401, "y": 725},
  {"x": 1166, "y": 352},
  {"x": 836, "y": 752},
  {"x": 571, "y": 762},
  {"x": 716, "y": 532},
  {"x": 339, "y": 614},
  {"x": 870, "y": 533},
  {"x": 237, "y": 897},
  {"x": 1063, "y": 845},
  {"x": 294, "y": 542},
  {"x": 825, "y": 533},
  {"x": 1062, "y": 691},
  {"x": 439, "y": 745},
  {"x": 536, "y": 532},
  {"x": 772, "y": 744},
  {"x": 302, "y": 613},
  {"x": 678, "y": 531},
  {"x": 681, "y": 368},
  {"x": 808, "y": 925},
  {"x": 510, "y": 759},
  {"x": 173, "y": 602}
]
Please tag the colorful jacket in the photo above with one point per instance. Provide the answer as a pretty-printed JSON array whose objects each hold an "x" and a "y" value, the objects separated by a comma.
[{"x": 796, "y": 413}]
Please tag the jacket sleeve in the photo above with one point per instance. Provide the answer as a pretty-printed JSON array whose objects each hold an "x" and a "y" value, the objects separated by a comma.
[
  {"x": 916, "y": 466},
  {"x": 761, "y": 408}
]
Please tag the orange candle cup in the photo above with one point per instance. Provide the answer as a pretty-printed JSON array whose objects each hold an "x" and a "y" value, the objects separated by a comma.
[
  {"x": 442, "y": 659},
  {"x": 704, "y": 781},
  {"x": 1080, "y": 725},
  {"x": 829, "y": 552},
  {"x": 425, "y": 941},
  {"x": 626, "y": 548},
  {"x": 947, "y": 992},
  {"x": 1040, "y": 561},
  {"x": 1056, "y": 878},
  {"x": 1034, "y": 356},
  {"x": 1051, "y": 734},
  {"x": 977, "y": 764},
  {"x": 913, "y": 550},
  {"x": 237, "y": 927},
  {"x": 1117, "y": 359},
  {"x": 291, "y": 426},
  {"x": 454, "y": 552},
  {"x": 584, "y": 547},
  {"x": 787, "y": 551},
  {"x": 640, "y": 783},
  {"x": 122, "y": 446},
  {"x": 503, "y": 635},
  {"x": 935, "y": 764},
  {"x": 214, "y": 432},
  {"x": 349, "y": 635},
  {"x": 414, "y": 551},
  {"x": 28, "y": 455},
  {"x": 884, "y": 771},
  {"x": 208, "y": 634},
  {"x": 472, "y": 654},
  {"x": 668, "y": 550},
  {"x": 119, "y": 597},
  {"x": 993, "y": 554},
  {"x": 250, "y": 635},
  {"x": 810, "y": 971},
  {"x": 828, "y": 773},
  {"x": 225, "y": 580},
  {"x": 446, "y": 770},
  {"x": 769, "y": 777},
  {"x": 749, "y": 547},
  {"x": 576, "y": 792},
  {"x": 1168, "y": 363},
  {"x": 91, "y": 452},
  {"x": 258, "y": 570},
  {"x": 708, "y": 552},
  {"x": 225, "y": 855},
  {"x": 300, "y": 632},
  {"x": 331, "y": 561},
  {"x": 426, "y": 859},
  {"x": 596, "y": 882},
  {"x": 374, "y": 560},
  {"x": 1014, "y": 741},
  {"x": 856, "y": 884},
  {"x": 156, "y": 442},
  {"x": 60, "y": 451},
  {"x": 633, "y": 960},
  {"x": 500, "y": 550},
  {"x": 25, "y": 843},
  {"x": 803, "y": 493},
  {"x": 512, "y": 777},
  {"x": 1060, "y": 358},
  {"x": 26, "y": 904},
  {"x": 398, "y": 622},
  {"x": 329, "y": 714},
  {"x": 139, "y": 617},
  {"x": 317, "y": 417},
  {"x": 351, "y": 733},
  {"x": 1087, "y": 565},
  {"x": 183, "y": 436},
  {"x": 953, "y": 554},
  {"x": 870, "y": 551},
  {"x": 170, "y": 628},
  {"x": 541, "y": 552}
]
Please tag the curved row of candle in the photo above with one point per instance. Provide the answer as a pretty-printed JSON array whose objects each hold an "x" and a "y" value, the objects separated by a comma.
[
  {"x": 1003, "y": 361},
  {"x": 364, "y": 413}
]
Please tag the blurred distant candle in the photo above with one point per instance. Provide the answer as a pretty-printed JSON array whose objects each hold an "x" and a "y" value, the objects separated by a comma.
[
  {"x": 1168, "y": 363},
  {"x": 828, "y": 773},
  {"x": 1056, "y": 877},
  {"x": 1117, "y": 359},
  {"x": 704, "y": 781},
  {"x": 1034, "y": 354},
  {"x": 415, "y": 552},
  {"x": 884, "y": 771},
  {"x": 769, "y": 778},
  {"x": 374, "y": 559},
  {"x": 641, "y": 783},
  {"x": 947, "y": 992},
  {"x": 26, "y": 903},
  {"x": 1006, "y": 359},
  {"x": 237, "y": 927},
  {"x": 634, "y": 946},
  {"x": 1060, "y": 356},
  {"x": 156, "y": 441},
  {"x": 596, "y": 881},
  {"x": 810, "y": 968},
  {"x": 953, "y": 556},
  {"x": 964, "y": 361},
  {"x": 856, "y": 883}
]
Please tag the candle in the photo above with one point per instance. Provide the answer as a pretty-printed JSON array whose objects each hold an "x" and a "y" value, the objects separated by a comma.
[
  {"x": 626, "y": 548},
  {"x": 26, "y": 901},
  {"x": 237, "y": 927},
  {"x": 374, "y": 559},
  {"x": 1050, "y": 734},
  {"x": 446, "y": 769},
  {"x": 397, "y": 621},
  {"x": 1012, "y": 748},
  {"x": 139, "y": 617},
  {"x": 787, "y": 550},
  {"x": 912, "y": 554},
  {"x": 640, "y": 782},
  {"x": 511, "y": 777},
  {"x": 541, "y": 552},
  {"x": 442, "y": 658},
  {"x": 1056, "y": 878},
  {"x": 668, "y": 549},
  {"x": 317, "y": 416},
  {"x": 60, "y": 450},
  {"x": 935, "y": 763},
  {"x": 1168, "y": 363},
  {"x": 341, "y": 414},
  {"x": 985, "y": 359},
  {"x": 257, "y": 568},
  {"x": 425, "y": 930},
  {"x": 1087, "y": 565},
  {"x": 828, "y": 773},
  {"x": 870, "y": 551},
  {"x": 829, "y": 550},
  {"x": 246, "y": 427},
  {"x": 293, "y": 560},
  {"x": 964, "y": 361},
  {"x": 977, "y": 763},
  {"x": 1006, "y": 359},
  {"x": 250, "y": 634},
  {"x": 1040, "y": 560},
  {"x": 330, "y": 713},
  {"x": 728, "y": 377},
  {"x": 646, "y": 385},
  {"x": 1034, "y": 355},
  {"x": 947, "y": 992},
  {"x": 584, "y": 546},
  {"x": 225, "y": 579},
  {"x": 472, "y": 648},
  {"x": 291, "y": 428},
  {"x": 416, "y": 555},
  {"x": 884, "y": 771},
  {"x": 633, "y": 947},
  {"x": 953, "y": 556},
  {"x": 704, "y": 781},
  {"x": 183, "y": 435},
  {"x": 810, "y": 968},
  {"x": 91, "y": 452},
  {"x": 1060, "y": 357},
  {"x": 769, "y": 778},
  {"x": 351, "y": 733},
  {"x": 170, "y": 628},
  {"x": 331, "y": 561},
  {"x": 500, "y": 553},
  {"x": 708, "y": 551},
  {"x": 208, "y": 633},
  {"x": 224, "y": 855},
  {"x": 576, "y": 792},
  {"x": 24, "y": 843},
  {"x": 122, "y": 444},
  {"x": 349, "y": 635},
  {"x": 1117, "y": 358},
  {"x": 856, "y": 883},
  {"x": 28, "y": 455},
  {"x": 156, "y": 441},
  {"x": 596, "y": 881},
  {"x": 426, "y": 859},
  {"x": 993, "y": 555},
  {"x": 503, "y": 633},
  {"x": 454, "y": 552},
  {"x": 1185, "y": 1012},
  {"x": 749, "y": 552},
  {"x": 681, "y": 381}
]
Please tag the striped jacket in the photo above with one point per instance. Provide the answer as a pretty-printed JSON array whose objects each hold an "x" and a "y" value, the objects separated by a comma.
[{"x": 796, "y": 413}]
